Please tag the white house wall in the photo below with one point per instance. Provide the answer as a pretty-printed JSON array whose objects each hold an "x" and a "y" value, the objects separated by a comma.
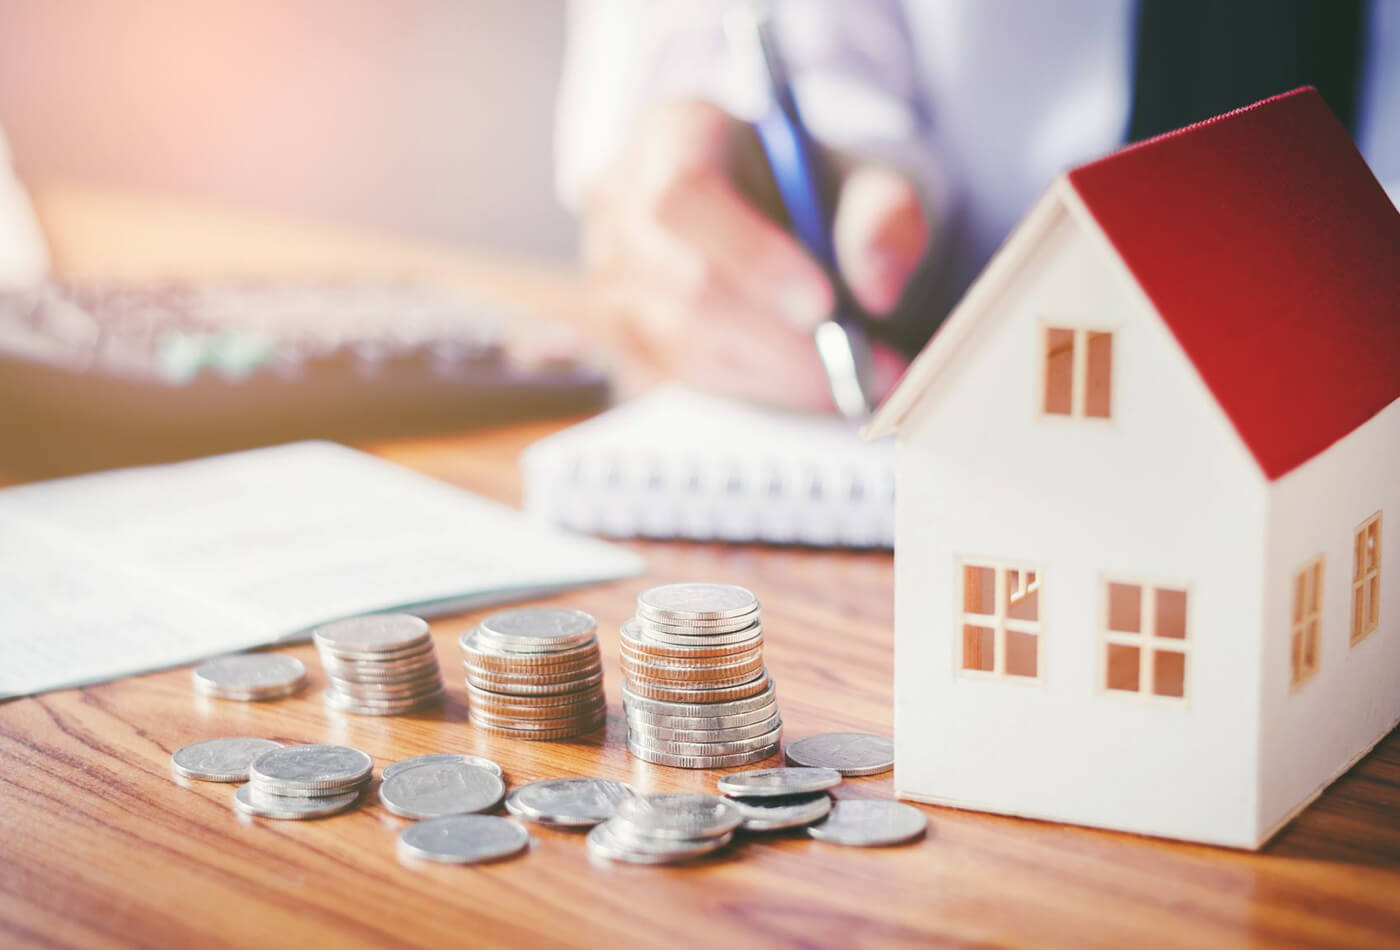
[
  {"x": 1312, "y": 733},
  {"x": 1163, "y": 492}
]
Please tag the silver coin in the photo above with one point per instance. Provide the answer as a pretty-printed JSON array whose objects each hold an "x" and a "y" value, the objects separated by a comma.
[
  {"x": 569, "y": 802},
  {"x": 364, "y": 707},
  {"x": 376, "y": 633},
  {"x": 680, "y": 815},
  {"x": 760, "y": 716},
  {"x": 249, "y": 674},
  {"x": 612, "y": 840},
  {"x": 389, "y": 692},
  {"x": 699, "y": 761},
  {"x": 868, "y": 822},
  {"x": 406, "y": 655},
  {"x": 251, "y": 695},
  {"x": 310, "y": 767},
  {"x": 729, "y": 707},
  {"x": 633, "y": 638},
  {"x": 776, "y": 814},
  {"x": 435, "y": 789},
  {"x": 479, "y": 761},
  {"x": 768, "y": 783},
  {"x": 252, "y": 801},
  {"x": 526, "y": 628},
  {"x": 749, "y": 623},
  {"x": 733, "y": 747},
  {"x": 220, "y": 760},
  {"x": 364, "y": 670},
  {"x": 492, "y": 652},
  {"x": 850, "y": 753},
  {"x": 732, "y": 734},
  {"x": 463, "y": 839},
  {"x": 696, "y": 601}
]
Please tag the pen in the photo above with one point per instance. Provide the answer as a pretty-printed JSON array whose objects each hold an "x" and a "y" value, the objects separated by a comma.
[{"x": 841, "y": 341}]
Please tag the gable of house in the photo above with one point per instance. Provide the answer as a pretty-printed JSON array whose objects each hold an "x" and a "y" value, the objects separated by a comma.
[{"x": 1269, "y": 250}]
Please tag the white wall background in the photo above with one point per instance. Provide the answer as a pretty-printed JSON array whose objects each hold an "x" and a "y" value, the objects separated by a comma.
[{"x": 430, "y": 118}]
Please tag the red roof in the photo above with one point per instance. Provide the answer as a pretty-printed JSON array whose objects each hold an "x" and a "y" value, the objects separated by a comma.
[{"x": 1273, "y": 255}]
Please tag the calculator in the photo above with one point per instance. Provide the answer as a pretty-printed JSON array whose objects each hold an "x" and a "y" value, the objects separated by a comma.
[{"x": 95, "y": 375}]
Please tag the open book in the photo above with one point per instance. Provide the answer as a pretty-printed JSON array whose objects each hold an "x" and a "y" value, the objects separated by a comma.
[{"x": 121, "y": 572}]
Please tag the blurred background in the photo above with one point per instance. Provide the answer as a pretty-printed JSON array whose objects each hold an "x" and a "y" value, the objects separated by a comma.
[{"x": 250, "y": 105}]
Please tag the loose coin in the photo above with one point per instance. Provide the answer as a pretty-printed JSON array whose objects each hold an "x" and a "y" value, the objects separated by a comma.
[
  {"x": 463, "y": 839},
  {"x": 777, "y": 814},
  {"x": 615, "y": 842},
  {"x": 766, "y": 783},
  {"x": 868, "y": 822},
  {"x": 220, "y": 760},
  {"x": 850, "y": 753},
  {"x": 373, "y": 634},
  {"x": 250, "y": 676},
  {"x": 435, "y": 789},
  {"x": 569, "y": 802},
  {"x": 310, "y": 767},
  {"x": 682, "y": 815},
  {"x": 251, "y": 801},
  {"x": 477, "y": 760}
]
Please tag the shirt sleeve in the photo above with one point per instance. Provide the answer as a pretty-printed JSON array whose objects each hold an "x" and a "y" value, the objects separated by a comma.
[{"x": 852, "y": 66}]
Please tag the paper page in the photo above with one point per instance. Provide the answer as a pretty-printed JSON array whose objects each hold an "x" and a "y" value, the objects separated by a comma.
[{"x": 239, "y": 550}]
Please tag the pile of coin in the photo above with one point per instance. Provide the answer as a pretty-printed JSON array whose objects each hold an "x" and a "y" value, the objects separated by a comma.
[
  {"x": 695, "y": 690},
  {"x": 664, "y": 829},
  {"x": 303, "y": 781},
  {"x": 252, "y": 677},
  {"x": 535, "y": 673},
  {"x": 782, "y": 798},
  {"x": 379, "y": 665}
]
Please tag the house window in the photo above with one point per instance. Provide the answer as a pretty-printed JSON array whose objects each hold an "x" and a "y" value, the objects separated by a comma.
[
  {"x": 1078, "y": 372},
  {"x": 1145, "y": 639},
  {"x": 1000, "y": 620},
  {"x": 1307, "y": 618},
  {"x": 1366, "y": 579}
]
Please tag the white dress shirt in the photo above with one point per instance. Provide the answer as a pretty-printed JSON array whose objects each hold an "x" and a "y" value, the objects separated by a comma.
[{"x": 984, "y": 101}]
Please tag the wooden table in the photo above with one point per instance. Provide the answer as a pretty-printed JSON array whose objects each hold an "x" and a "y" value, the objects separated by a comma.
[{"x": 99, "y": 845}]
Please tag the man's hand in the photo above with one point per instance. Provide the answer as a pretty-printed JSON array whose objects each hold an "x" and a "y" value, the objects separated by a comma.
[{"x": 691, "y": 281}]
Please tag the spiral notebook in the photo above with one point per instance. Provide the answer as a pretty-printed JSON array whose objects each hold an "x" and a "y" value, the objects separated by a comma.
[{"x": 678, "y": 463}]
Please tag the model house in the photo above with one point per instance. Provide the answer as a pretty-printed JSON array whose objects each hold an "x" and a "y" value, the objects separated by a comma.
[{"x": 1148, "y": 574}]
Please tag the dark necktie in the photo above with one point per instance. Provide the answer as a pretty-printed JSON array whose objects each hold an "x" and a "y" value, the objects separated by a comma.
[{"x": 1199, "y": 58}]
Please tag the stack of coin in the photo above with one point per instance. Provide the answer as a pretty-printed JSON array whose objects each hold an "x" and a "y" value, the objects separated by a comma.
[
  {"x": 664, "y": 829},
  {"x": 379, "y": 665},
  {"x": 695, "y": 690},
  {"x": 251, "y": 677},
  {"x": 303, "y": 781},
  {"x": 535, "y": 673}
]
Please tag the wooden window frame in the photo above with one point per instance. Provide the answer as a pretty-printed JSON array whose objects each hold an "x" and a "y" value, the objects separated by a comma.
[
  {"x": 1305, "y": 621},
  {"x": 1146, "y": 639},
  {"x": 1079, "y": 371},
  {"x": 998, "y": 621},
  {"x": 1365, "y": 580}
]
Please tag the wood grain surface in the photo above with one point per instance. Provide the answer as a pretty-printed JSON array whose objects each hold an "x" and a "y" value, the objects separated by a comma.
[{"x": 100, "y": 845}]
